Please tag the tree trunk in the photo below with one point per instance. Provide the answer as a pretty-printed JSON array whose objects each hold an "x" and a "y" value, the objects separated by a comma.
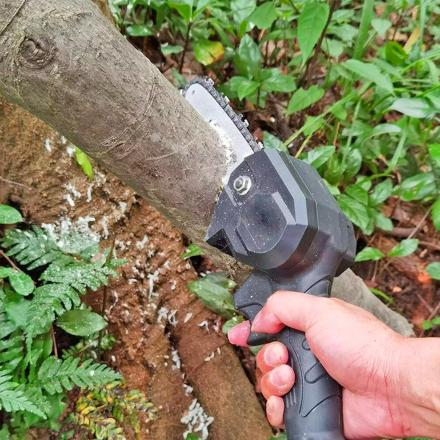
[{"x": 66, "y": 64}]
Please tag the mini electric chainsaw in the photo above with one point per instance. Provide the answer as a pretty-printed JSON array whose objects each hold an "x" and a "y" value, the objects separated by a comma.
[{"x": 276, "y": 214}]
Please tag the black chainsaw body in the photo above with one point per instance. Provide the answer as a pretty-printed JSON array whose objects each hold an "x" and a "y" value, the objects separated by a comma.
[{"x": 286, "y": 225}]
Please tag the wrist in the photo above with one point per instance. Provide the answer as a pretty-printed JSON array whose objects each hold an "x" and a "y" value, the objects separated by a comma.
[{"x": 419, "y": 383}]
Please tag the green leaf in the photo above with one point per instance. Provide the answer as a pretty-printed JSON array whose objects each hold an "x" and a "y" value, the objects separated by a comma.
[
  {"x": 394, "y": 53},
  {"x": 192, "y": 251},
  {"x": 319, "y": 155},
  {"x": 246, "y": 87},
  {"x": 417, "y": 187},
  {"x": 355, "y": 211},
  {"x": 435, "y": 214},
  {"x": 311, "y": 24},
  {"x": 353, "y": 163},
  {"x": 5, "y": 272},
  {"x": 414, "y": 107},
  {"x": 433, "y": 270},
  {"x": 382, "y": 191},
  {"x": 21, "y": 283},
  {"x": 333, "y": 47},
  {"x": 264, "y": 15},
  {"x": 385, "y": 129},
  {"x": 274, "y": 81},
  {"x": 208, "y": 52},
  {"x": 381, "y": 25},
  {"x": 369, "y": 254},
  {"x": 139, "y": 30},
  {"x": 84, "y": 162},
  {"x": 370, "y": 72},
  {"x": 434, "y": 152},
  {"x": 16, "y": 308},
  {"x": 271, "y": 141},
  {"x": 404, "y": 248},
  {"x": 248, "y": 57},
  {"x": 358, "y": 193},
  {"x": 232, "y": 323},
  {"x": 169, "y": 49},
  {"x": 387, "y": 299},
  {"x": 302, "y": 99},
  {"x": 383, "y": 222},
  {"x": 313, "y": 124},
  {"x": 214, "y": 291},
  {"x": 183, "y": 7},
  {"x": 9, "y": 215},
  {"x": 241, "y": 9},
  {"x": 81, "y": 322}
]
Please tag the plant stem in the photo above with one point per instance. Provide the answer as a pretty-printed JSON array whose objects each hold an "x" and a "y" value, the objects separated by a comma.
[
  {"x": 9, "y": 261},
  {"x": 54, "y": 342},
  {"x": 366, "y": 17},
  {"x": 185, "y": 47}
]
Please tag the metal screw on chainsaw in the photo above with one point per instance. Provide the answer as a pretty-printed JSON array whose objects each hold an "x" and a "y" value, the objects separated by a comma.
[{"x": 242, "y": 184}]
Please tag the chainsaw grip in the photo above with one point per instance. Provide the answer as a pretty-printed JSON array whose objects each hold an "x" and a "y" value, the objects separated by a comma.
[{"x": 313, "y": 407}]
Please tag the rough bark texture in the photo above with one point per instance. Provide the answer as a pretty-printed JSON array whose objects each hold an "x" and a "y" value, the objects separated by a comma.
[
  {"x": 66, "y": 64},
  {"x": 153, "y": 283}
]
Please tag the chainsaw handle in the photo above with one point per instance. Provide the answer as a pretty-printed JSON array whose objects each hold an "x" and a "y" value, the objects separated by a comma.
[{"x": 313, "y": 407}]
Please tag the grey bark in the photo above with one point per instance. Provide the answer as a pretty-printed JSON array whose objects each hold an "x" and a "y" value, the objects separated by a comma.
[{"x": 66, "y": 64}]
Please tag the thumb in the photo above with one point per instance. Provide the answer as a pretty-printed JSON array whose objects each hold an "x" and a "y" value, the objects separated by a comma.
[{"x": 292, "y": 309}]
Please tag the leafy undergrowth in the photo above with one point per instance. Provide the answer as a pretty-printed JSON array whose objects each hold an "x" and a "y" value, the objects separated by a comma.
[
  {"x": 351, "y": 87},
  {"x": 41, "y": 284}
]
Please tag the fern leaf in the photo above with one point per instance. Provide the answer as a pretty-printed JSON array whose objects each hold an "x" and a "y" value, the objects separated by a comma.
[
  {"x": 13, "y": 399},
  {"x": 79, "y": 275},
  {"x": 31, "y": 248},
  {"x": 11, "y": 352},
  {"x": 56, "y": 375},
  {"x": 50, "y": 301}
]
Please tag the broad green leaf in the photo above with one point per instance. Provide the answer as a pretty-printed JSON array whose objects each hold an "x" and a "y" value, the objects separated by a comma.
[
  {"x": 433, "y": 270},
  {"x": 355, "y": 211},
  {"x": 191, "y": 251},
  {"x": 428, "y": 325},
  {"x": 414, "y": 107},
  {"x": 232, "y": 323},
  {"x": 264, "y": 15},
  {"x": 183, "y": 7},
  {"x": 243, "y": 86},
  {"x": 9, "y": 215},
  {"x": 319, "y": 155},
  {"x": 21, "y": 283},
  {"x": 417, "y": 187},
  {"x": 271, "y": 141},
  {"x": 248, "y": 57},
  {"x": 382, "y": 191},
  {"x": 139, "y": 30},
  {"x": 277, "y": 82},
  {"x": 313, "y": 124},
  {"x": 404, "y": 248},
  {"x": 353, "y": 163},
  {"x": 358, "y": 193},
  {"x": 81, "y": 322},
  {"x": 169, "y": 49},
  {"x": 311, "y": 24},
  {"x": 383, "y": 222},
  {"x": 302, "y": 99},
  {"x": 241, "y": 9},
  {"x": 381, "y": 25},
  {"x": 370, "y": 72},
  {"x": 434, "y": 152},
  {"x": 394, "y": 53},
  {"x": 5, "y": 272},
  {"x": 208, "y": 52},
  {"x": 16, "y": 308},
  {"x": 435, "y": 214},
  {"x": 84, "y": 162},
  {"x": 214, "y": 291},
  {"x": 369, "y": 254},
  {"x": 192, "y": 436},
  {"x": 385, "y": 129},
  {"x": 333, "y": 47}
]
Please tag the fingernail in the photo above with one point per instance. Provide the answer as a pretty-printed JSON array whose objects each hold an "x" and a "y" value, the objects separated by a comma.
[
  {"x": 281, "y": 376},
  {"x": 239, "y": 333},
  {"x": 274, "y": 357},
  {"x": 264, "y": 322}
]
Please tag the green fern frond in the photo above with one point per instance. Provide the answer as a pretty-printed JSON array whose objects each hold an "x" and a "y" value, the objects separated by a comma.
[
  {"x": 11, "y": 352},
  {"x": 31, "y": 248},
  {"x": 56, "y": 375},
  {"x": 13, "y": 399},
  {"x": 79, "y": 275},
  {"x": 50, "y": 301}
]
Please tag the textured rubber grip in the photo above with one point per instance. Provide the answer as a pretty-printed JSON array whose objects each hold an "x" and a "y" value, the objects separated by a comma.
[{"x": 313, "y": 408}]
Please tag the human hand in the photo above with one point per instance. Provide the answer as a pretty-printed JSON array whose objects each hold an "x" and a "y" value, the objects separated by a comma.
[{"x": 382, "y": 394}]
